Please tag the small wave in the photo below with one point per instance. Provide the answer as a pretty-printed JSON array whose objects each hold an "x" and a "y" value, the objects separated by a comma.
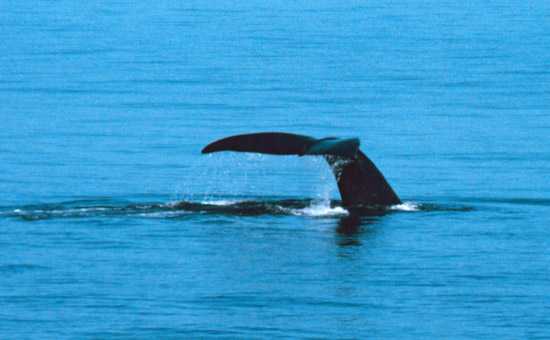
[
  {"x": 164, "y": 214},
  {"x": 19, "y": 268},
  {"x": 506, "y": 200},
  {"x": 68, "y": 210}
]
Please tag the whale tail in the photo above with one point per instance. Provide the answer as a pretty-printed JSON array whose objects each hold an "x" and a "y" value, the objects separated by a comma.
[{"x": 359, "y": 181}]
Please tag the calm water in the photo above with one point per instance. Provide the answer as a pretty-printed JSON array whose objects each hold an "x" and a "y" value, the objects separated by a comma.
[{"x": 113, "y": 225}]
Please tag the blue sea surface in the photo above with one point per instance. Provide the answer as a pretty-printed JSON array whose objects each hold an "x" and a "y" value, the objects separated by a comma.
[{"x": 113, "y": 225}]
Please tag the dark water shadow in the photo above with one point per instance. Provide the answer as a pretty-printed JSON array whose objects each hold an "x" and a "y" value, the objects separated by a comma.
[{"x": 351, "y": 229}]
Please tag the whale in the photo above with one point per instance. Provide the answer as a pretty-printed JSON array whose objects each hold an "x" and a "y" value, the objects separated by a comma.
[{"x": 360, "y": 182}]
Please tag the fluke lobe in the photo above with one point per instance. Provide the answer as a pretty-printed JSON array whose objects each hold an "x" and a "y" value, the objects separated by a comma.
[{"x": 359, "y": 180}]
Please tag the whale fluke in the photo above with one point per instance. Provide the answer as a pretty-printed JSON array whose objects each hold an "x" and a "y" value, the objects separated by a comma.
[{"x": 359, "y": 181}]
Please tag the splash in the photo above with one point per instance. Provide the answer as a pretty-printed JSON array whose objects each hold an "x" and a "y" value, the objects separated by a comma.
[
  {"x": 221, "y": 203},
  {"x": 405, "y": 206},
  {"x": 320, "y": 209}
]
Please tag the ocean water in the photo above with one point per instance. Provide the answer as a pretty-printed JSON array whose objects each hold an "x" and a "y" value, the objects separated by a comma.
[{"x": 113, "y": 225}]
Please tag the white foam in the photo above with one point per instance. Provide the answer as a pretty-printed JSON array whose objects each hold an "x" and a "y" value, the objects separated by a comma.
[
  {"x": 405, "y": 206},
  {"x": 320, "y": 209},
  {"x": 220, "y": 202},
  {"x": 173, "y": 204},
  {"x": 164, "y": 214},
  {"x": 86, "y": 210}
]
